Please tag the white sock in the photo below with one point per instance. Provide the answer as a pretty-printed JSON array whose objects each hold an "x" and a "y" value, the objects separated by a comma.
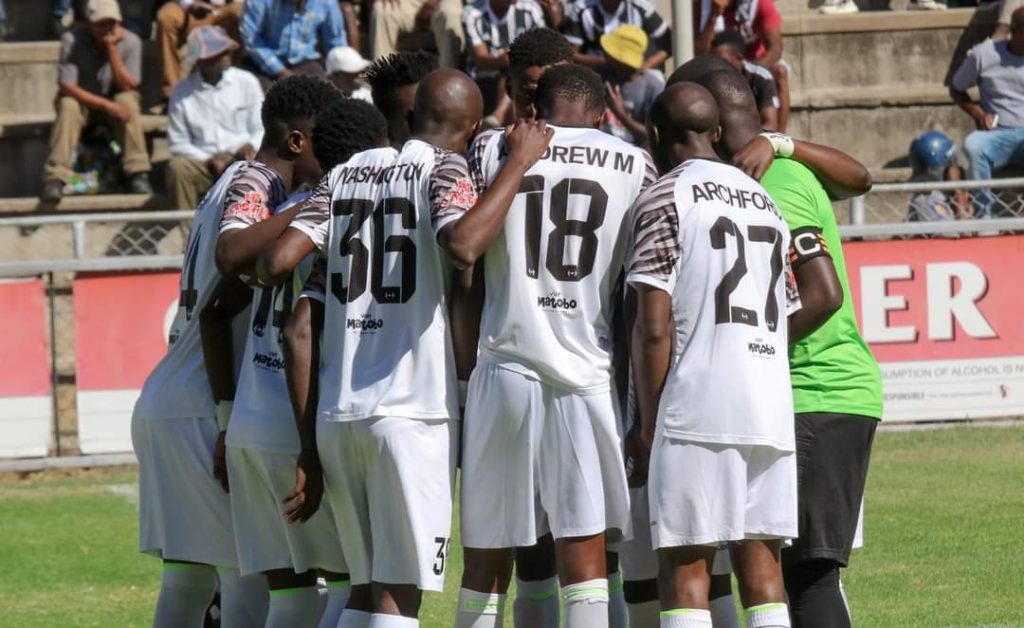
[
  {"x": 185, "y": 594},
  {"x": 337, "y": 598},
  {"x": 536, "y": 604},
  {"x": 686, "y": 618},
  {"x": 768, "y": 616},
  {"x": 723, "y": 612},
  {"x": 618, "y": 614},
  {"x": 243, "y": 600},
  {"x": 645, "y": 615},
  {"x": 586, "y": 604},
  {"x": 294, "y": 608},
  {"x": 380, "y": 620},
  {"x": 354, "y": 619},
  {"x": 846, "y": 601},
  {"x": 479, "y": 610}
]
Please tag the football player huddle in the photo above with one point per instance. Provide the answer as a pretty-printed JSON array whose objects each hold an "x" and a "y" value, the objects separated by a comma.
[{"x": 644, "y": 362}]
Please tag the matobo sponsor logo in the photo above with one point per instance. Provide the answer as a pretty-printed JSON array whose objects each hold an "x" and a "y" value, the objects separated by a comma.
[
  {"x": 555, "y": 302},
  {"x": 269, "y": 361},
  {"x": 760, "y": 349},
  {"x": 365, "y": 325}
]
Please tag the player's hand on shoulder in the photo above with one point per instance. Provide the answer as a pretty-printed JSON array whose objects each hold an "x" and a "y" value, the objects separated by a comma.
[
  {"x": 755, "y": 157},
  {"x": 304, "y": 498},
  {"x": 527, "y": 141},
  {"x": 220, "y": 462}
]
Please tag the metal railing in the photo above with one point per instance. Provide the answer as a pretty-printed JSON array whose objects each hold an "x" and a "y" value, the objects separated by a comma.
[{"x": 888, "y": 203}]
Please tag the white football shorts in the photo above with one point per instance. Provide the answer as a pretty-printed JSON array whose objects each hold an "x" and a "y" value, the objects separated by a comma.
[
  {"x": 704, "y": 493},
  {"x": 184, "y": 514},
  {"x": 537, "y": 459},
  {"x": 390, "y": 482},
  {"x": 263, "y": 538}
]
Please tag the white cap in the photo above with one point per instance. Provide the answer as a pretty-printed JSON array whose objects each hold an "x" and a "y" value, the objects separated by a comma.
[{"x": 346, "y": 59}]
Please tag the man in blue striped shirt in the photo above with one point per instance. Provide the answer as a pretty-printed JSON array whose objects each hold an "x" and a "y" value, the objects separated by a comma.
[{"x": 284, "y": 37}]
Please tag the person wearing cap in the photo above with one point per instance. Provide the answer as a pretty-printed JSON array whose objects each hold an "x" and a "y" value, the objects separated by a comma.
[
  {"x": 345, "y": 68},
  {"x": 284, "y": 37},
  {"x": 594, "y": 18},
  {"x": 176, "y": 19},
  {"x": 214, "y": 117},
  {"x": 630, "y": 89},
  {"x": 99, "y": 74}
]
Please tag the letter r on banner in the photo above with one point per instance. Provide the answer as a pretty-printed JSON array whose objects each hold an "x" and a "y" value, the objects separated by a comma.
[{"x": 944, "y": 306}]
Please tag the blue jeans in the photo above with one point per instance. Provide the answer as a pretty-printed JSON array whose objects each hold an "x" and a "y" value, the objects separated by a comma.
[{"x": 988, "y": 151}]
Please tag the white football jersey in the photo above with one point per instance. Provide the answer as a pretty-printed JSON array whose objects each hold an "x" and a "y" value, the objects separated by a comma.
[
  {"x": 387, "y": 348},
  {"x": 178, "y": 387},
  {"x": 262, "y": 416},
  {"x": 552, "y": 272},
  {"x": 712, "y": 238}
]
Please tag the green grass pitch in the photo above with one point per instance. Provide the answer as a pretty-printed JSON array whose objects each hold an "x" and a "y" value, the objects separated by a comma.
[{"x": 944, "y": 541}]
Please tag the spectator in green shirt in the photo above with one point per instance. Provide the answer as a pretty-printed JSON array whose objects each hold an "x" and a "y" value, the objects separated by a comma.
[{"x": 837, "y": 389}]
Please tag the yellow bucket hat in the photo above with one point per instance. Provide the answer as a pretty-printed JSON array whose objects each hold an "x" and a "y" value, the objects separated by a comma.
[{"x": 626, "y": 44}]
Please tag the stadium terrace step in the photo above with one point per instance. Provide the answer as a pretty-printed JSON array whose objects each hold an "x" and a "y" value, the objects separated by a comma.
[{"x": 84, "y": 203}]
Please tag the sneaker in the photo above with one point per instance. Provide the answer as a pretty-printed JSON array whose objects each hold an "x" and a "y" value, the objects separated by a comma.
[
  {"x": 926, "y": 5},
  {"x": 838, "y": 7},
  {"x": 138, "y": 183},
  {"x": 53, "y": 191}
]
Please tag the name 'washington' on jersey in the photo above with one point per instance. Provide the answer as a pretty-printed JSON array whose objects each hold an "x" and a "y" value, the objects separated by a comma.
[
  {"x": 178, "y": 386},
  {"x": 387, "y": 346},
  {"x": 552, "y": 274},
  {"x": 712, "y": 238}
]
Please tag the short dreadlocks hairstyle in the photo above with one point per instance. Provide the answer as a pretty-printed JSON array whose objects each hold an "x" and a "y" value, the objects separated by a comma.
[
  {"x": 294, "y": 99},
  {"x": 570, "y": 83},
  {"x": 345, "y": 128},
  {"x": 397, "y": 70},
  {"x": 539, "y": 47}
]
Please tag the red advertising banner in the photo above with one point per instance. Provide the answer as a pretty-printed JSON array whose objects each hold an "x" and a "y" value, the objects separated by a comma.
[
  {"x": 26, "y": 402},
  {"x": 941, "y": 316},
  {"x": 121, "y": 326}
]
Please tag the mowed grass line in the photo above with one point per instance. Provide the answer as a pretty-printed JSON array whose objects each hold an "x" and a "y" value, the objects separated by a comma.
[
  {"x": 944, "y": 531},
  {"x": 944, "y": 521}
]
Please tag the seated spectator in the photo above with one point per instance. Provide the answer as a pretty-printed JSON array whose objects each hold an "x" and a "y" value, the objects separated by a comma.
[
  {"x": 214, "y": 117},
  {"x": 761, "y": 26},
  {"x": 729, "y": 45},
  {"x": 284, "y": 37},
  {"x": 601, "y": 17},
  {"x": 932, "y": 159},
  {"x": 409, "y": 25},
  {"x": 99, "y": 74},
  {"x": 1006, "y": 9},
  {"x": 176, "y": 19},
  {"x": 346, "y": 68},
  {"x": 631, "y": 89},
  {"x": 997, "y": 68},
  {"x": 491, "y": 26}
]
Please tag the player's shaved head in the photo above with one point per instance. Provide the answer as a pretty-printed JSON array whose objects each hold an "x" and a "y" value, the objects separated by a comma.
[
  {"x": 694, "y": 70},
  {"x": 736, "y": 105},
  {"x": 447, "y": 109},
  {"x": 683, "y": 124}
]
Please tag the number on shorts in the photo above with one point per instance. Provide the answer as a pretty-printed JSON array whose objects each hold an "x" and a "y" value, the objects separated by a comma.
[{"x": 442, "y": 555}]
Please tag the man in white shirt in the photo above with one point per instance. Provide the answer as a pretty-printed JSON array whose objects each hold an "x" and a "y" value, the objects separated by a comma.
[
  {"x": 214, "y": 117},
  {"x": 346, "y": 68}
]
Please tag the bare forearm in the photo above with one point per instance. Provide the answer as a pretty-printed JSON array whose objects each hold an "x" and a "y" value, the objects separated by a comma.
[
  {"x": 971, "y": 108},
  {"x": 590, "y": 61},
  {"x": 638, "y": 130},
  {"x": 703, "y": 41},
  {"x": 470, "y": 236},
  {"x": 237, "y": 250},
  {"x": 302, "y": 360},
  {"x": 650, "y": 361},
  {"x": 465, "y": 311},
  {"x": 276, "y": 262},
  {"x": 122, "y": 78},
  {"x": 773, "y": 51},
  {"x": 487, "y": 61},
  {"x": 842, "y": 175},
  {"x": 87, "y": 98},
  {"x": 655, "y": 60}
]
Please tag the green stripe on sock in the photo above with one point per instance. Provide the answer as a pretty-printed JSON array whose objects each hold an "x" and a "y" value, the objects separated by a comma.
[
  {"x": 569, "y": 596},
  {"x": 543, "y": 595},
  {"x": 169, "y": 566},
  {"x": 486, "y": 607},
  {"x": 287, "y": 592},
  {"x": 771, "y": 606},
  {"x": 680, "y": 612},
  {"x": 615, "y": 586},
  {"x": 339, "y": 584}
]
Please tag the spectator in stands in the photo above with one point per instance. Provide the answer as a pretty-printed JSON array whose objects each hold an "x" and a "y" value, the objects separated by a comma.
[
  {"x": 408, "y": 25},
  {"x": 997, "y": 68},
  {"x": 761, "y": 26},
  {"x": 214, "y": 117},
  {"x": 932, "y": 159},
  {"x": 1006, "y": 9},
  {"x": 729, "y": 44},
  {"x": 631, "y": 90},
  {"x": 284, "y": 37},
  {"x": 347, "y": 70},
  {"x": 601, "y": 17},
  {"x": 99, "y": 74},
  {"x": 177, "y": 18},
  {"x": 491, "y": 26}
]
